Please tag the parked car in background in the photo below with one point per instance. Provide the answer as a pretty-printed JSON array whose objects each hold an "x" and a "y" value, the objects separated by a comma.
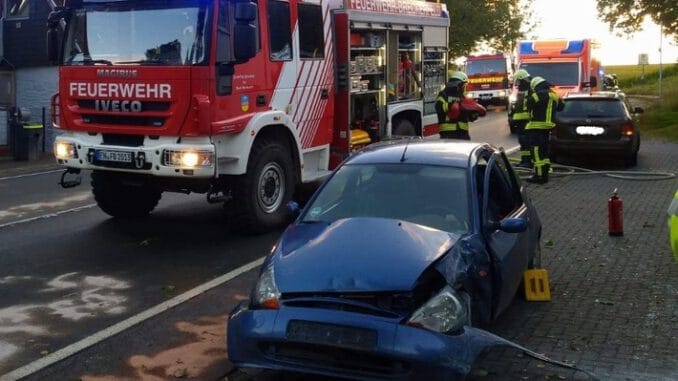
[
  {"x": 391, "y": 266},
  {"x": 601, "y": 124}
]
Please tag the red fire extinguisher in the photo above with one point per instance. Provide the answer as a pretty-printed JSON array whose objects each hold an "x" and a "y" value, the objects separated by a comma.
[{"x": 615, "y": 220}]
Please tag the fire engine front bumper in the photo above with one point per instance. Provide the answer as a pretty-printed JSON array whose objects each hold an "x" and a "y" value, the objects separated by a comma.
[
  {"x": 490, "y": 97},
  {"x": 163, "y": 157}
]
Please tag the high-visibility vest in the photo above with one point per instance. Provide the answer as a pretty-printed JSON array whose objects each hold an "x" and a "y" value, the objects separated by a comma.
[
  {"x": 448, "y": 125},
  {"x": 673, "y": 225},
  {"x": 547, "y": 123}
]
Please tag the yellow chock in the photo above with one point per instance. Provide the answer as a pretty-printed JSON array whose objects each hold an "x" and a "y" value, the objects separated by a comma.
[{"x": 537, "y": 285}]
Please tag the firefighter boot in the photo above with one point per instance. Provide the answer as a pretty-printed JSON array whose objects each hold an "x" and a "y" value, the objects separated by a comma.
[{"x": 525, "y": 162}]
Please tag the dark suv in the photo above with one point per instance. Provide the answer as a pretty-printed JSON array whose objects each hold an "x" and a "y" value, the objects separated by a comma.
[{"x": 600, "y": 123}]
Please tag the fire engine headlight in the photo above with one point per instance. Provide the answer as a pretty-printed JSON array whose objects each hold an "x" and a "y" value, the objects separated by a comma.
[
  {"x": 188, "y": 159},
  {"x": 65, "y": 150},
  {"x": 502, "y": 94}
]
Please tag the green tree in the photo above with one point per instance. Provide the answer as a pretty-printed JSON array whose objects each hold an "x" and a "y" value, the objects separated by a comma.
[
  {"x": 627, "y": 16},
  {"x": 497, "y": 24}
]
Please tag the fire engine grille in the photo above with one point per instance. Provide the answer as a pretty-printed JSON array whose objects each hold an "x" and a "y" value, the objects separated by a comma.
[
  {"x": 137, "y": 119},
  {"x": 89, "y": 104},
  {"x": 144, "y": 121}
]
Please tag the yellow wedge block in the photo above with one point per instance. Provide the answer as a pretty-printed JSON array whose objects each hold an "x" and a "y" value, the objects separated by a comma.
[{"x": 537, "y": 285}]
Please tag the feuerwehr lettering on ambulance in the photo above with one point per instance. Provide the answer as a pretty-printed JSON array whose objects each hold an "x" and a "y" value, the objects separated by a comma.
[{"x": 108, "y": 94}]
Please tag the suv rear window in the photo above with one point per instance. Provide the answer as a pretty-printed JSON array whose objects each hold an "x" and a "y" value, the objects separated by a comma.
[{"x": 593, "y": 108}]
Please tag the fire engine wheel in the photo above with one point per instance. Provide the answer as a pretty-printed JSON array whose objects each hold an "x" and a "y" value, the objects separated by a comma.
[
  {"x": 404, "y": 127},
  {"x": 121, "y": 200},
  {"x": 260, "y": 198}
]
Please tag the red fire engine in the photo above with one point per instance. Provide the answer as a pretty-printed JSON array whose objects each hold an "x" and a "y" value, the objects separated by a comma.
[
  {"x": 488, "y": 78},
  {"x": 243, "y": 100}
]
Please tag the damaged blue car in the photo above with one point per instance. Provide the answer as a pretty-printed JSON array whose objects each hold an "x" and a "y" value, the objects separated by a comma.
[{"x": 391, "y": 267}]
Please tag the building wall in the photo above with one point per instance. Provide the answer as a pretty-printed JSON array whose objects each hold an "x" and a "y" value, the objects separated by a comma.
[{"x": 35, "y": 87}]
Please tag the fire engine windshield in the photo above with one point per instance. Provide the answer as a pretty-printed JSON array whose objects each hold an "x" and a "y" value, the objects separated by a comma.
[
  {"x": 150, "y": 32},
  {"x": 557, "y": 73},
  {"x": 486, "y": 67}
]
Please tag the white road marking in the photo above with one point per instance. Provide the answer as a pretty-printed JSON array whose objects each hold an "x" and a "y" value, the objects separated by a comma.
[
  {"x": 115, "y": 329},
  {"x": 21, "y": 210},
  {"x": 44, "y": 216},
  {"x": 30, "y": 174}
]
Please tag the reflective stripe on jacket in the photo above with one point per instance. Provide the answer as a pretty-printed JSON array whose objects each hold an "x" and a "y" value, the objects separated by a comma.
[
  {"x": 449, "y": 125},
  {"x": 520, "y": 107},
  {"x": 542, "y": 106}
]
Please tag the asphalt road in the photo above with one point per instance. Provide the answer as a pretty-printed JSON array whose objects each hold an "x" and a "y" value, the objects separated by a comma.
[{"x": 68, "y": 273}]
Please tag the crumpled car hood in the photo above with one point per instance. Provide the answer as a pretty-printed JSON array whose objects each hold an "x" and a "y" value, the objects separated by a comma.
[{"x": 356, "y": 255}]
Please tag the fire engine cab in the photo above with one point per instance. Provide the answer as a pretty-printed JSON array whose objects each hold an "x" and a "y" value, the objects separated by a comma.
[{"x": 242, "y": 100}]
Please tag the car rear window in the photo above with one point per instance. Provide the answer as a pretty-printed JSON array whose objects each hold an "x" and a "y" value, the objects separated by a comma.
[{"x": 593, "y": 108}]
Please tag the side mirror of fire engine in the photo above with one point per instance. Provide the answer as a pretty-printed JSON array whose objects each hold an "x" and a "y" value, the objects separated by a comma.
[
  {"x": 53, "y": 46},
  {"x": 245, "y": 31},
  {"x": 53, "y": 20},
  {"x": 594, "y": 81}
]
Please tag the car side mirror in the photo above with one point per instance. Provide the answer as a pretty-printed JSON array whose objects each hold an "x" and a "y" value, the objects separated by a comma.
[
  {"x": 638, "y": 110},
  {"x": 293, "y": 208},
  {"x": 513, "y": 225}
]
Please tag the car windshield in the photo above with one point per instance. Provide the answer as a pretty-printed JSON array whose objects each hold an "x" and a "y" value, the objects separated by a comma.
[
  {"x": 433, "y": 196},
  {"x": 486, "y": 66},
  {"x": 138, "y": 32},
  {"x": 592, "y": 108},
  {"x": 557, "y": 73}
]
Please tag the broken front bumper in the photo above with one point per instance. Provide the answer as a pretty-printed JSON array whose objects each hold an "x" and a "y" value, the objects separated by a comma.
[{"x": 350, "y": 345}]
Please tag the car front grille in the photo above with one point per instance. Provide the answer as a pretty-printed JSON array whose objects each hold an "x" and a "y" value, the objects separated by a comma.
[{"x": 334, "y": 359}]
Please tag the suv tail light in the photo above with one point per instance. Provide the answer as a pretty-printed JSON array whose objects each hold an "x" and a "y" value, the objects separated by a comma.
[{"x": 627, "y": 129}]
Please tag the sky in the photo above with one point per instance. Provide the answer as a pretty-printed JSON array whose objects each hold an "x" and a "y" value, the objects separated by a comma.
[{"x": 576, "y": 19}]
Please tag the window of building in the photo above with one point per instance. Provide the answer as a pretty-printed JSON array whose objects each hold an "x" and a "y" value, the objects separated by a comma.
[
  {"x": 16, "y": 8},
  {"x": 279, "y": 30},
  {"x": 311, "y": 38}
]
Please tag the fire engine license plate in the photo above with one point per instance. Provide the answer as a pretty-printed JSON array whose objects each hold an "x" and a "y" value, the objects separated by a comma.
[{"x": 115, "y": 156}]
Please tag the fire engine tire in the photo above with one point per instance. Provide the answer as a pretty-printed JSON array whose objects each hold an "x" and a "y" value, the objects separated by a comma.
[
  {"x": 260, "y": 198},
  {"x": 120, "y": 200},
  {"x": 404, "y": 127}
]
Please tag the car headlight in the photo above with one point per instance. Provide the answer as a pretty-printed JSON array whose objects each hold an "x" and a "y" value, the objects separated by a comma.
[
  {"x": 446, "y": 311},
  {"x": 266, "y": 293}
]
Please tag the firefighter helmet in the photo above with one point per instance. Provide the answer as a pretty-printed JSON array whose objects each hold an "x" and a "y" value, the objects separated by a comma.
[
  {"x": 536, "y": 81},
  {"x": 521, "y": 74},
  {"x": 460, "y": 76}
]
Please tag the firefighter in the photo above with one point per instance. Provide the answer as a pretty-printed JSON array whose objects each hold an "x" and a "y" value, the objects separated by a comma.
[
  {"x": 673, "y": 225},
  {"x": 453, "y": 121},
  {"x": 542, "y": 103},
  {"x": 521, "y": 116}
]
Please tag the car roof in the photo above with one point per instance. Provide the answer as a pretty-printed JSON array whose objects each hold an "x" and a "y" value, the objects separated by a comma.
[
  {"x": 595, "y": 95},
  {"x": 430, "y": 152}
]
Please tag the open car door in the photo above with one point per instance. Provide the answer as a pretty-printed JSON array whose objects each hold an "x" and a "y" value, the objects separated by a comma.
[{"x": 510, "y": 251}]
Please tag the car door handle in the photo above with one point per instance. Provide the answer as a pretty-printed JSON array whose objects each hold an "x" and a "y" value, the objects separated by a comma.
[{"x": 324, "y": 94}]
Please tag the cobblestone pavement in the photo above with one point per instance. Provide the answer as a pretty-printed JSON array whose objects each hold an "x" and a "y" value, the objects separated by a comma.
[{"x": 614, "y": 307}]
